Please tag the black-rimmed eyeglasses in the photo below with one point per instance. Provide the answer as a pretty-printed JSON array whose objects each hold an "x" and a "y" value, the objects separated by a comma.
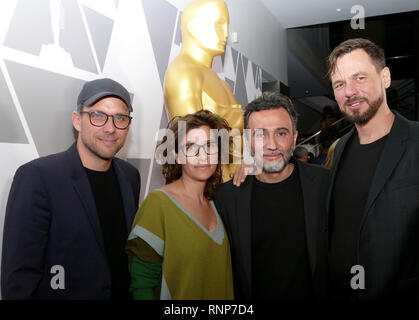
[
  {"x": 192, "y": 150},
  {"x": 99, "y": 119}
]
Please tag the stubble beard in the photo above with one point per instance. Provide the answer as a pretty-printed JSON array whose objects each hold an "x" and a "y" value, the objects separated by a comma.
[
  {"x": 363, "y": 118},
  {"x": 274, "y": 166},
  {"x": 94, "y": 149}
]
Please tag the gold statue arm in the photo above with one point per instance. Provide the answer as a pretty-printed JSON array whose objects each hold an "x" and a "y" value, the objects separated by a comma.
[{"x": 229, "y": 90}]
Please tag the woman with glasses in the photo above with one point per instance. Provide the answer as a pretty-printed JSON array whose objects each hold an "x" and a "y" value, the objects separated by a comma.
[{"x": 178, "y": 247}]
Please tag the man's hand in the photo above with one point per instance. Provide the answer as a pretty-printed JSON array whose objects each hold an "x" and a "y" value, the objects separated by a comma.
[{"x": 241, "y": 173}]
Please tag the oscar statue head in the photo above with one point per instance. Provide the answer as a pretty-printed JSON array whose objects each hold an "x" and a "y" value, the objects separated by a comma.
[{"x": 205, "y": 24}]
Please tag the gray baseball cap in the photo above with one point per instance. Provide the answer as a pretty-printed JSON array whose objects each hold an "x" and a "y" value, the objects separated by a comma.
[{"x": 95, "y": 90}]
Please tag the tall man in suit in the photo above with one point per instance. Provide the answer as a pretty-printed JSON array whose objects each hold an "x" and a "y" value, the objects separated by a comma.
[
  {"x": 276, "y": 219},
  {"x": 68, "y": 214},
  {"x": 373, "y": 201}
]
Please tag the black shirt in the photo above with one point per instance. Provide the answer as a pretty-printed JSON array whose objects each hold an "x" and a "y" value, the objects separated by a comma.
[
  {"x": 110, "y": 209},
  {"x": 352, "y": 184},
  {"x": 280, "y": 262}
]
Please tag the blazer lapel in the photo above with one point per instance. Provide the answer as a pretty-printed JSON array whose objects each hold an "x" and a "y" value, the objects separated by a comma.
[
  {"x": 307, "y": 183},
  {"x": 393, "y": 151},
  {"x": 84, "y": 191},
  {"x": 127, "y": 196},
  {"x": 338, "y": 155},
  {"x": 243, "y": 196},
  {"x": 85, "y": 194}
]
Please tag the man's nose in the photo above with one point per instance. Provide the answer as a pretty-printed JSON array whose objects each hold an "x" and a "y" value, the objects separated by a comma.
[
  {"x": 109, "y": 126},
  {"x": 350, "y": 89},
  {"x": 270, "y": 142}
]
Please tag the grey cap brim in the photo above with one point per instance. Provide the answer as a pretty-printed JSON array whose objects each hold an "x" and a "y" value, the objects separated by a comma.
[{"x": 92, "y": 100}]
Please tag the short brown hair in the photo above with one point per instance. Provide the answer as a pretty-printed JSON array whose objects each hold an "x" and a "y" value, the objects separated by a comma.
[
  {"x": 173, "y": 171},
  {"x": 374, "y": 52}
]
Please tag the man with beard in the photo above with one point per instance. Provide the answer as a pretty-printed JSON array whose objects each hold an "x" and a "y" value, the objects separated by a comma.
[
  {"x": 68, "y": 214},
  {"x": 275, "y": 220},
  {"x": 373, "y": 200}
]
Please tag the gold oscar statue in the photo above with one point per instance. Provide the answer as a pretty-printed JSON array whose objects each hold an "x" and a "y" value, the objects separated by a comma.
[{"x": 190, "y": 84}]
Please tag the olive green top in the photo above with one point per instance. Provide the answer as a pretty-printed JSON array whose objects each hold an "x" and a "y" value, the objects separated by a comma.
[{"x": 196, "y": 263}]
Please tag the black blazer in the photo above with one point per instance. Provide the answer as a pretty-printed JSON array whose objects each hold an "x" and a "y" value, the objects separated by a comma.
[
  {"x": 234, "y": 205},
  {"x": 51, "y": 219},
  {"x": 388, "y": 245}
]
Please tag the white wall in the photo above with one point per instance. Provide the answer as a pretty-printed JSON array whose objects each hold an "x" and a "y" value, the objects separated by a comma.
[{"x": 261, "y": 37}]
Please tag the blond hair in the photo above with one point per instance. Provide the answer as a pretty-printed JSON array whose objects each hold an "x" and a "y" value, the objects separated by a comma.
[{"x": 331, "y": 154}]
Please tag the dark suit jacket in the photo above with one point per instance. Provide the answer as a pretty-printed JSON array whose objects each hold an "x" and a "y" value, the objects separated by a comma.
[
  {"x": 51, "y": 219},
  {"x": 234, "y": 205},
  {"x": 388, "y": 246}
]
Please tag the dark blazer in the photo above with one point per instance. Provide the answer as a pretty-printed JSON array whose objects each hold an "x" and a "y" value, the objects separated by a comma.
[
  {"x": 388, "y": 245},
  {"x": 234, "y": 205},
  {"x": 51, "y": 219}
]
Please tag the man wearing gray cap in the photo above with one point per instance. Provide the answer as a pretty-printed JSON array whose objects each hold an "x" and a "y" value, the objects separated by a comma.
[{"x": 68, "y": 214}]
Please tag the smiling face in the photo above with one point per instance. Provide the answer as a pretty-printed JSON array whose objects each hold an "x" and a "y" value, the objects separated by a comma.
[
  {"x": 209, "y": 27},
  {"x": 100, "y": 143},
  {"x": 358, "y": 87},
  {"x": 202, "y": 166},
  {"x": 276, "y": 130}
]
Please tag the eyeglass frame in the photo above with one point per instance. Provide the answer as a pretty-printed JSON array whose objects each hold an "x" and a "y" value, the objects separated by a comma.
[
  {"x": 182, "y": 147},
  {"x": 107, "y": 118}
]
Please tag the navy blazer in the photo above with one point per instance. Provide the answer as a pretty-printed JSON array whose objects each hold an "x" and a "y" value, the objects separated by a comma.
[{"x": 51, "y": 219}]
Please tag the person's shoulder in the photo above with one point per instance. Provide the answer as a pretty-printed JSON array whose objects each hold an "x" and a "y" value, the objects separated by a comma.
[
  {"x": 314, "y": 169},
  {"x": 131, "y": 173},
  {"x": 226, "y": 186},
  {"x": 126, "y": 166},
  {"x": 157, "y": 195},
  {"x": 156, "y": 201},
  {"x": 225, "y": 189},
  {"x": 51, "y": 163},
  {"x": 414, "y": 136},
  {"x": 414, "y": 127}
]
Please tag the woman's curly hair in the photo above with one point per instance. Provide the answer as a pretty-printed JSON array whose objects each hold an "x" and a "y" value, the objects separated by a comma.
[{"x": 173, "y": 171}]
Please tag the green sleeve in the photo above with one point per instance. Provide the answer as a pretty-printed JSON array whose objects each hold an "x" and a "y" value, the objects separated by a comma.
[{"x": 144, "y": 279}]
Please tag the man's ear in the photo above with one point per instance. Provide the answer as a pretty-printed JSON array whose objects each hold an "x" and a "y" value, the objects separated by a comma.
[
  {"x": 295, "y": 137},
  {"x": 75, "y": 116},
  {"x": 386, "y": 77}
]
